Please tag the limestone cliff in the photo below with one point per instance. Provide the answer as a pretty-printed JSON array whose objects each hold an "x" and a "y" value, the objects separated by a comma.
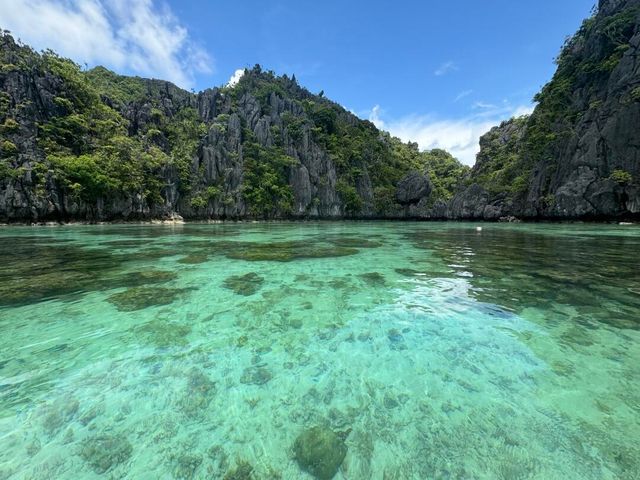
[
  {"x": 578, "y": 154},
  {"x": 94, "y": 145},
  {"x": 97, "y": 146}
]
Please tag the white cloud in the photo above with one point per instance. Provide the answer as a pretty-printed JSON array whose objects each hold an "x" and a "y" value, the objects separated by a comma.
[
  {"x": 460, "y": 137},
  {"x": 523, "y": 110},
  {"x": 462, "y": 95},
  {"x": 138, "y": 36},
  {"x": 445, "y": 68},
  {"x": 374, "y": 117},
  {"x": 235, "y": 78},
  {"x": 484, "y": 106}
]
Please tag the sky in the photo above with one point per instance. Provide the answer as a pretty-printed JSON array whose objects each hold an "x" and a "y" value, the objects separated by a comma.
[{"x": 440, "y": 73}]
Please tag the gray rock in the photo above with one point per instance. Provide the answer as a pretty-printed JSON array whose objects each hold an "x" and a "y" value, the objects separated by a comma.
[
  {"x": 470, "y": 203},
  {"x": 412, "y": 188}
]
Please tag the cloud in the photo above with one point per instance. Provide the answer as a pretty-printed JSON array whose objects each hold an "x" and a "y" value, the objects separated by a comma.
[
  {"x": 462, "y": 95},
  {"x": 460, "y": 137},
  {"x": 445, "y": 68},
  {"x": 137, "y": 36},
  {"x": 235, "y": 78},
  {"x": 374, "y": 117},
  {"x": 523, "y": 110}
]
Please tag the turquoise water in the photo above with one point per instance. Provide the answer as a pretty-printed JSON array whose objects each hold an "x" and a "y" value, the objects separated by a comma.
[{"x": 431, "y": 350}]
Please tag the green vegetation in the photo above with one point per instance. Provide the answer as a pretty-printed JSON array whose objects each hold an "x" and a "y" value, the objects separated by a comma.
[
  {"x": 499, "y": 168},
  {"x": 350, "y": 197},
  {"x": 5, "y": 101},
  {"x": 88, "y": 146},
  {"x": 117, "y": 88},
  {"x": 183, "y": 133},
  {"x": 356, "y": 147},
  {"x": 108, "y": 136},
  {"x": 584, "y": 65},
  {"x": 202, "y": 199},
  {"x": 9, "y": 126},
  {"x": 445, "y": 171},
  {"x": 621, "y": 177},
  {"x": 266, "y": 187},
  {"x": 8, "y": 149}
]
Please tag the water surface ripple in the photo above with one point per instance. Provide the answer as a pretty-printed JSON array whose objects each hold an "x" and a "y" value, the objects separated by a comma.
[{"x": 431, "y": 350}]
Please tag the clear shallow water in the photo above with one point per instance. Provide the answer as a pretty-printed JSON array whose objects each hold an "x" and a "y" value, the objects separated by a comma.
[{"x": 432, "y": 350}]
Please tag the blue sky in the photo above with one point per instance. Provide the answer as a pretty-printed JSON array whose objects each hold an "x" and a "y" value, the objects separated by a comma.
[{"x": 436, "y": 72}]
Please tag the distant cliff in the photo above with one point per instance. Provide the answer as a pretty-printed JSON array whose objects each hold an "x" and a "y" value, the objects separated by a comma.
[
  {"x": 578, "y": 154},
  {"x": 97, "y": 146}
]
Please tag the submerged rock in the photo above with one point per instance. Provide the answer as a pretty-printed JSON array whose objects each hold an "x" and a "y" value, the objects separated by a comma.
[
  {"x": 186, "y": 465},
  {"x": 152, "y": 254},
  {"x": 255, "y": 376},
  {"x": 35, "y": 287},
  {"x": 198, "y": 382},
  {"x": 396, "y": 340},
  {"x": 164, "y": 334},
  {"x": 194, "y": 259},
  {"x": 138, "y": 298},
  {"x": 133, "y": 243},
  {"x": 355, "y": 242},
  {"x": 373, "y": 279},
  {"x": 407, "y": 272},
  {"x": 243, "y": 471},
  {"x": 288, "y": 251},
  {"x": 320, "y": 452},
  {"x": 59, "y": 414},
  {"x": 91, "y": 413},
  {"x": 246, "y": 285},
  {"x": 145, "y": 277},
  {"x": 103, "y": 452},
  {"x": 390, "y": 401}
]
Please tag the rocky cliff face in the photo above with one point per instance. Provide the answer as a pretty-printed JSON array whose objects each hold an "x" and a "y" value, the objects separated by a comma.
[
  {"x": 98, "y": 146},
  {"x": 578, "y": 154}
]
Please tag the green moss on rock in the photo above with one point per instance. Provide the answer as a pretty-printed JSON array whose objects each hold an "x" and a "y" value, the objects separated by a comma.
[
  {"x": 320, "y": 452},
  {"x": 194, "y": 259},
  {"x": 138, "y": 298},
  {"x": 185, "y": 465},
  {"x": 104, "y": 452},
  {"x": 255, "y": 376},
  {"x": 246, "y": 285},
  {"x": 242, "y": 471},
  {"x": 288, "y": 251},
  {"x": 374, "y": 279}
]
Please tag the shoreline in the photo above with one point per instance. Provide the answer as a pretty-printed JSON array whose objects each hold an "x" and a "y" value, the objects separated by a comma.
[{"x": 181, "y": 221}]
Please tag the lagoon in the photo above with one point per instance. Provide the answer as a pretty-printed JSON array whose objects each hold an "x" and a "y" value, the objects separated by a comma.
[{"x": 422, "y": 350}]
